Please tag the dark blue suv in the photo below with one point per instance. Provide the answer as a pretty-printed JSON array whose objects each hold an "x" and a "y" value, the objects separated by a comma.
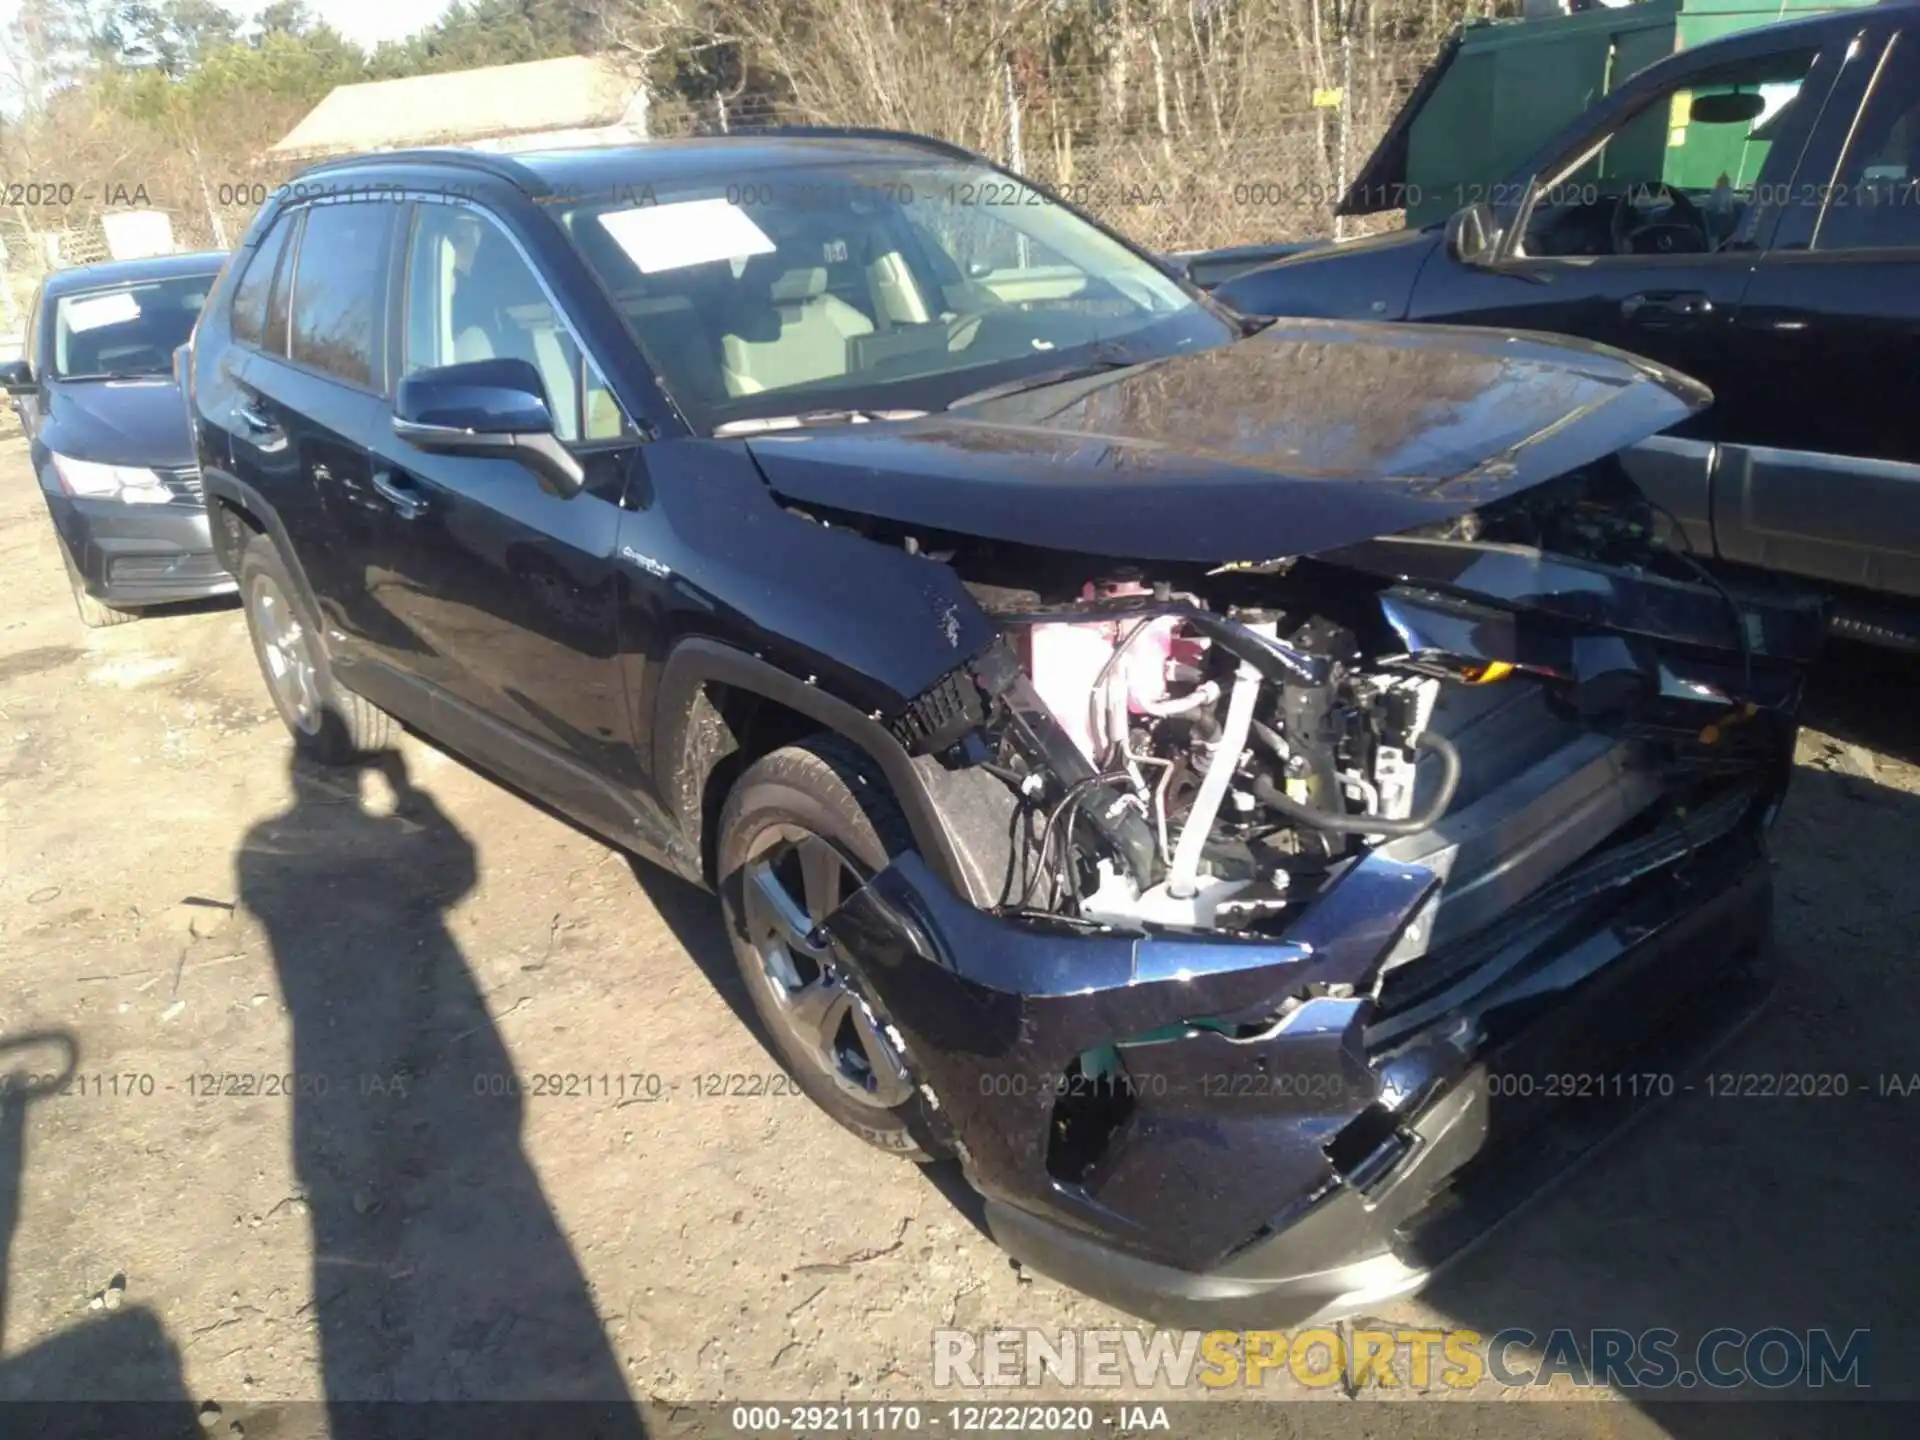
[{"x": 1167, "y": 761}]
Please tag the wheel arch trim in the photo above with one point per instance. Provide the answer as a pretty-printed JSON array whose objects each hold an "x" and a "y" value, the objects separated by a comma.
[
  {"x": 697, "y": 661},
  {"x": 218, "y": 486}
]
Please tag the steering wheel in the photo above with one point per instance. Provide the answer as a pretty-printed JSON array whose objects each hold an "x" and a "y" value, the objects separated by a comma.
[{"x": 1682, "y": 230}]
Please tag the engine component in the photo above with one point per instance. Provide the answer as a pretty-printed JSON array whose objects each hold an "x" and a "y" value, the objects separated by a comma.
[{"x": 1256, "y": 748}]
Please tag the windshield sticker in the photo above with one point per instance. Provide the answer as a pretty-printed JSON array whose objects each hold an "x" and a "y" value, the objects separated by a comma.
[
  {"x": 94, "y": 311},
  {"x": 691, "y": 232}
]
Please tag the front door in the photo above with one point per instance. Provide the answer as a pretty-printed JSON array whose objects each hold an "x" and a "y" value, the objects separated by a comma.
[
  {"x": 1643, "y": 233},
  {"x": 512, "y": 590}
]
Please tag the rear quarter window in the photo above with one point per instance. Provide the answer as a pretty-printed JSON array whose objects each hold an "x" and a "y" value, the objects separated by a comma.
[{"x": 249, "y": 314}]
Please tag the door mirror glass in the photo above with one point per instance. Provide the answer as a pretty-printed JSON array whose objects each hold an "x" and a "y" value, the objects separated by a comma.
[
  {"x": 1473, "y": 235},
  {"x": 486, "y": 408},
  {"x": 17, "y": 376}
]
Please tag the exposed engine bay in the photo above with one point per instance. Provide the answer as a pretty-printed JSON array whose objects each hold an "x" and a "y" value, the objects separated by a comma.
[
  {"x": 1206, "y": 750},
  {"x": 1252, "y": 754}
]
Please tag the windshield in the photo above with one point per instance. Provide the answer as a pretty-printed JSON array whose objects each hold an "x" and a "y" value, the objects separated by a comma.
[
  {"x": 875, "y": 286},
  {"x": 128, "y": 329}
]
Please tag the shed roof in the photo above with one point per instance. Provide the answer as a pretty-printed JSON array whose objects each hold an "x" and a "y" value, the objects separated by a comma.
[{"x": 572, "y": 92}]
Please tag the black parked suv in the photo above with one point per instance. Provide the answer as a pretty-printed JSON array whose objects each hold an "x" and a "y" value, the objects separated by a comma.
[
  {"x": 99, "y": 399},
  {"x": 1788, "y": 285},
  {"x": 1198, "y": 774}
]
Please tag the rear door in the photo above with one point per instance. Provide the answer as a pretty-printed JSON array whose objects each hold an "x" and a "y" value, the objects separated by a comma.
[
  {"x": 235, "y": 325},
  {"x": 313, "y": 402},
  {"x": 1823, "y": 479}
]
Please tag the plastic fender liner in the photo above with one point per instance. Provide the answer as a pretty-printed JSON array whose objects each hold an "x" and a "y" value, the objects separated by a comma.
[{"x": 697, "y": 661}]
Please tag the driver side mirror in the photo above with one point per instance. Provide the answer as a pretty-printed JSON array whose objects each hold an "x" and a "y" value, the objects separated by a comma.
[
  {"x": 494, "y": 408},
  {"x": 17, "y": 376},
  {"x": 1473, "y": 235}
]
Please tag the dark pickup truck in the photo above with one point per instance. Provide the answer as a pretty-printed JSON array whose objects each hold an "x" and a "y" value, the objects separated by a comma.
[{"x": 1788, "y": 288}]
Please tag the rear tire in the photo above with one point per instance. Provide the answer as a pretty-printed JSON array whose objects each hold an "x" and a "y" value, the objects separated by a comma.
[
  {"x": 804, "y": 827},
  {"x": 329, "y": 723},
  {"x": 94, "y": 614}
]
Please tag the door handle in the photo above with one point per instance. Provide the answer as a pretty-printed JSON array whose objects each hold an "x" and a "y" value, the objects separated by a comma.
[
  {"x": 250, "y": 416},
  {"x": 407, "y": 502},
  {"x": 1666, "y": 307}
]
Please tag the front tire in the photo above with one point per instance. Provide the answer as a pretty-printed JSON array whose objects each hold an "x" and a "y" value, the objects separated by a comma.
[
  {"x": 329, "y": 723},
  {"x": 802, "y": 829}
]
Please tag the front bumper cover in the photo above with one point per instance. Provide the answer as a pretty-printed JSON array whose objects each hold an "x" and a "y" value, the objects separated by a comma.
[
  {"x": 140, "y": 554},
  {"x": 1287, "y": 1161}
]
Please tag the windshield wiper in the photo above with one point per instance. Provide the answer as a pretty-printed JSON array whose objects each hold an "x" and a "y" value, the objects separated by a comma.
[
  {"x": 115, "y": 375},
  {"x": 1100, "y": 365},
  {"x": 760, "y": 424}
]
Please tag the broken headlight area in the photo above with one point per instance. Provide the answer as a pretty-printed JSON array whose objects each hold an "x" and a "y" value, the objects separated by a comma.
[
  {"x": 1260, "y": 856},
  {"x": 1207, "y": 752}
]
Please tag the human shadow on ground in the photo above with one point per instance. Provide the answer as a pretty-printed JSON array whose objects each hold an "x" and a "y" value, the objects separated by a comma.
[
  {"x": 115, "y": 1373},
  {"x": 440, "y": 1271}
]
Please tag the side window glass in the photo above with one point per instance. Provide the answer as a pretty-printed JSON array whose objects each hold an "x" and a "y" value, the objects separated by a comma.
[
  {"x": 1874, "y": 203},
  {"x": 336, "y": 289},
  {"x": 470, "y": 296},
  {"x": 280, "y": 293},
  {"x": 1679, "y": 176},
  {"x": 256, "y": 282}
]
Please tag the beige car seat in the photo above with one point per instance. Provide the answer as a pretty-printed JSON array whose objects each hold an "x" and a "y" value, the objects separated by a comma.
[{"x": 790, "y": 333}]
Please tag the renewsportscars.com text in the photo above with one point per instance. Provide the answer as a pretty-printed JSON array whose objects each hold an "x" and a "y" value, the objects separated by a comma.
[{"x": 1403, "y": 1358}]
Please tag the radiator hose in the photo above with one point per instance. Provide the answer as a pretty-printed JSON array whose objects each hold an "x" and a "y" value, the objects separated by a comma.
[{"x": 1272, "y": 796}]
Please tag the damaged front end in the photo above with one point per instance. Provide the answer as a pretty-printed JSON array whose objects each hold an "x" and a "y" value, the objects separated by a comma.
[{"x": 1270, "y": 871}]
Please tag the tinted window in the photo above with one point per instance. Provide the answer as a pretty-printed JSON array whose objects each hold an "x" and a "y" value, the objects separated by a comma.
[
  {"x": 127, "y": 329},
  {"x": 1875, "y": 203},
  {"x": 470, "y": 296},
  {"x": 250, "y": 295},
  {"x": 1679, "y": 175},
  {"x": 279, "y": 302},
  {"x": 336, "y": 289}
]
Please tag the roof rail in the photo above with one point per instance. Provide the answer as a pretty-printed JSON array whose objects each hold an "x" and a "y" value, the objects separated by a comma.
[
  {"x": 501, "y": 167},
  {"x": 862, "y": 132}
]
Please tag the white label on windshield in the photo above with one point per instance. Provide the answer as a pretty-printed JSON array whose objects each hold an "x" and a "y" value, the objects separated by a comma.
[
  {"x": 690, "y": 232},
  {"x": 96, "y": 310}
]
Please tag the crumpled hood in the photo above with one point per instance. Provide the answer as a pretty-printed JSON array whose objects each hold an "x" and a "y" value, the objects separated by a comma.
[
  {"x": 1308, "y": 436},
  {"x": 119, "y": 422}
]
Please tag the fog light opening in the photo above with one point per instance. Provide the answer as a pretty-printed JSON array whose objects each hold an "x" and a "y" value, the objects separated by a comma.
[
  {"x": 1368, "y": 1147},
  {"x": 1094, "y": 1101}
]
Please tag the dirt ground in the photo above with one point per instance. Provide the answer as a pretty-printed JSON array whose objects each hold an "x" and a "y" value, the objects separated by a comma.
[{"x": 178, "y": 907}]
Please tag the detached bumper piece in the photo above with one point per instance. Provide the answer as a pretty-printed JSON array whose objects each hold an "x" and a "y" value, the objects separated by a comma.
[{"x": 1234, "y": 1133}]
